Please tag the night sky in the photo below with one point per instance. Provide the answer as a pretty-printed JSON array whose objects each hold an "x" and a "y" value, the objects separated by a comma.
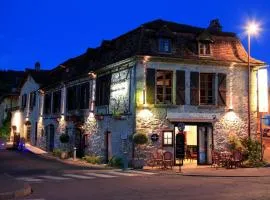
[{"x": 52, "y": 31}]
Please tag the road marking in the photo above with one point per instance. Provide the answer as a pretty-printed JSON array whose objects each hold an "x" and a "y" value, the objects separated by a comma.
[
  {"x": 29, "y": 179},
  {"x": 123, "y": 173},
  {"x": 142, "y": 172},
  {"x": 78, "y": 176},
  {"x": 54, "y": 177},
  {"x": 100, "y": 175}
]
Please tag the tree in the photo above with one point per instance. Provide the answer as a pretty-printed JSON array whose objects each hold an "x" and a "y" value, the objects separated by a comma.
[{"x": 5, "y": 129}]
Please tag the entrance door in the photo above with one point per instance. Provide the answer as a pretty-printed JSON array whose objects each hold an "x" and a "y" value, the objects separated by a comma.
[
  {"x": 108, "y": 145},
  {"x": 79, "y": 143},
  {"x": 49, "y": 131},
  {"x": 205, "y": 141}
]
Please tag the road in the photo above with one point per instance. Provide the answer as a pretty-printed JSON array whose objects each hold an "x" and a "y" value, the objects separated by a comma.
[{"x": 52, "y": 180}]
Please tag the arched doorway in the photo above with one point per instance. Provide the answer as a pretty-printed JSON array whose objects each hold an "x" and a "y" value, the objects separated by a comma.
[
  {"x": 79, "y": 142},
  {"x": 49, "y": 131}
]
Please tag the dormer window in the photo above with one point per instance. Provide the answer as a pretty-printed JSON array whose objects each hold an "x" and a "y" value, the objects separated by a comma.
[
  {"x": 204, "y": 49},
  {"x": 165, "y": 45}
]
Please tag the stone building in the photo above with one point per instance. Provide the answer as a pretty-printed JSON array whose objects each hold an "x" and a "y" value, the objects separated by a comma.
[{"x": 154, "y": 79}]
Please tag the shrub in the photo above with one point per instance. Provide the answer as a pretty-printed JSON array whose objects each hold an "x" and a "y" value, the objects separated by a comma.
[
  {"x": 64, "y": 138},
  {"x": 252, "y": 152},
  {"x": 92, "y": 159},
  {"x": 57, "y": 152},
  {"x": 234, "y": 142},
  {"x": 140, "y": 139},
  {"x": 116, "y": 162}
]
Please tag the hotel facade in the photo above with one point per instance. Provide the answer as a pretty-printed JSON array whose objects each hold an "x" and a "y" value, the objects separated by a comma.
[{"x": 152, "y": 80}]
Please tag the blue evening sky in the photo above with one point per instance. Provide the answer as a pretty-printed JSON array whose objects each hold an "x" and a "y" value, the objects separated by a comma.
[{"x": 52, "y": 31}]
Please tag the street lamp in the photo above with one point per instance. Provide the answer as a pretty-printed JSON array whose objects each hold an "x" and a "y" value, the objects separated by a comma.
[{"x": 252, "y": 28}]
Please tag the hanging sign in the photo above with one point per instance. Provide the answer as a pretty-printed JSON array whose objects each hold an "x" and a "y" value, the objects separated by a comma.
[
  {"x": 180, "y": 146},
  {"x": 119, "y": 92}
]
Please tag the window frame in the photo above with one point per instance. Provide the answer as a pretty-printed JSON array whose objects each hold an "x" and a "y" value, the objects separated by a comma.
[
  {"x": 163, "y": 138},
  {"x": 49, "y": 107},
  {"x": 204, "y": 54},
  {"x": 164, "y": 92},
  {"x": 58, "y": 107},
  {"x": 32, "y": 100},
  {"x": 214, "y": 88},
  {"x": 161, "y": 45},
  {"x": 24, "y": 101}
]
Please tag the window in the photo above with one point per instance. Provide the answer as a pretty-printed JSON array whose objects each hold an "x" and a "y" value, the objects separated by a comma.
[
  {"x": 164, "y": 87},
  {"x": 168, "y": 138},
  {"x": 47, "y": 103},
  {"x": 78, "y": 97},
  {"x": 207, "y": 89},
  {"x": 24, "y": 100},
  {"x": 57, "y": 101},
  {"x": 204, "y": 49},
  {"x": 164, "y": 45},
  {"x": 84, "y": 96},
  {"x": 103, "y": 86},
  {"x": 71, "y": 98},
  {"x": 32, "y": 99}
]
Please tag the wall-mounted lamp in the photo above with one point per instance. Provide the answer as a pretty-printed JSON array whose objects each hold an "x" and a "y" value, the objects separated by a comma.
[
  {"x": 92, "y": 75},
  {"x": 230, "y": 110}
]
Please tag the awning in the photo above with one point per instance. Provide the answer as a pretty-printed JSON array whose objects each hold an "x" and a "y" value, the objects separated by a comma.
[{"x": 192, "y": 117}]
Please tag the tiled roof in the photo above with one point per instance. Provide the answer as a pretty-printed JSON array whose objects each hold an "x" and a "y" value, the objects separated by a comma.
[{"x": 226, "y": 47}]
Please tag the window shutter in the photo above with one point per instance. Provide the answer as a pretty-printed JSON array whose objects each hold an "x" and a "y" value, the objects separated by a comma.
[
  {"x": 194, "y": 88},
  {"x": 150, "y": 85},
  {"x": 180, "y": 87},
  {"x": 97, "y": 103},
  {"x": 222, "y": 89}
]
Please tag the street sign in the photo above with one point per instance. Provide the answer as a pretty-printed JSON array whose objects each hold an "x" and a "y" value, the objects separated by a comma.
[{"x": 181, "y": 126}]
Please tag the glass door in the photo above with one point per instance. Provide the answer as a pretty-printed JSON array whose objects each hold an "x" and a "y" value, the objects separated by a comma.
[{"x": 205, "y": 141}]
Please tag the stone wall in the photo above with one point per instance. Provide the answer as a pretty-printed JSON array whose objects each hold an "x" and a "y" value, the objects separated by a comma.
[{"x": 226, "y": 121}]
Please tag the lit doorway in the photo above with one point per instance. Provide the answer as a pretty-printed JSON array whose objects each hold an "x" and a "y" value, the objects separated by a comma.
[{"x": 198, "y": 140}]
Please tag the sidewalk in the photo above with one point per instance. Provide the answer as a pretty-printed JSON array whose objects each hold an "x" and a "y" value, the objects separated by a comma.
[
  {"x": 12, "y": 188},
  {"x": 70, "y": 161},
  {"x": 207, "y": 171}
]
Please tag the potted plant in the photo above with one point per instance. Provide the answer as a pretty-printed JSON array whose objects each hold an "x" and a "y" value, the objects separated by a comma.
[
  {"x": 139, "y": 139},
  {"x": 64, "y": 139}
]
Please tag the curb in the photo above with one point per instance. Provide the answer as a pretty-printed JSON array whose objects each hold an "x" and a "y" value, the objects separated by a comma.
[
  {"x": 25, "y": 191},
  {"x": 224, "y": 176}
]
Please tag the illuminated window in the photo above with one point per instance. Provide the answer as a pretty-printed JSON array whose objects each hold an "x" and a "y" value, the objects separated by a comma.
[
  {"x": 168, "y": 138},
  {"x": 164, "y": 87},
  {"x": 204, "y": 49}
]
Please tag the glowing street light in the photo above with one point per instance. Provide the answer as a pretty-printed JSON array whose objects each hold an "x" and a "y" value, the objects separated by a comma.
[{"x": 252, "y": 28}]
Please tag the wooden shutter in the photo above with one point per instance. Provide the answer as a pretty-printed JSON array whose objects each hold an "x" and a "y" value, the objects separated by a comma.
[
  {"x": 150, "y": 85},
  {"x": 180, "y": 87},
  {"x": 194, "y": 88},
  {"x": 222, "y": 89},
  {"x": 97, "y": 102}
]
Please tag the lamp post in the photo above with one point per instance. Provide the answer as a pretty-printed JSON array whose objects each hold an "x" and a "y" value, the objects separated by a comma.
[{"x": 251, "y": 29}]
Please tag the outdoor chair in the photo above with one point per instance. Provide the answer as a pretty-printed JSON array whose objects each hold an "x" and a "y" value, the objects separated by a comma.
[
  {"x": 236, "y": 159},
  {"x": 167, "y": 159}
]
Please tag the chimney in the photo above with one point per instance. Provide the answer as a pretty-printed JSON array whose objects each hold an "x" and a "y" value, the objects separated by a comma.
[
  {"x": 215, "y": 26},
  {"x": 37, "y": 66}
]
